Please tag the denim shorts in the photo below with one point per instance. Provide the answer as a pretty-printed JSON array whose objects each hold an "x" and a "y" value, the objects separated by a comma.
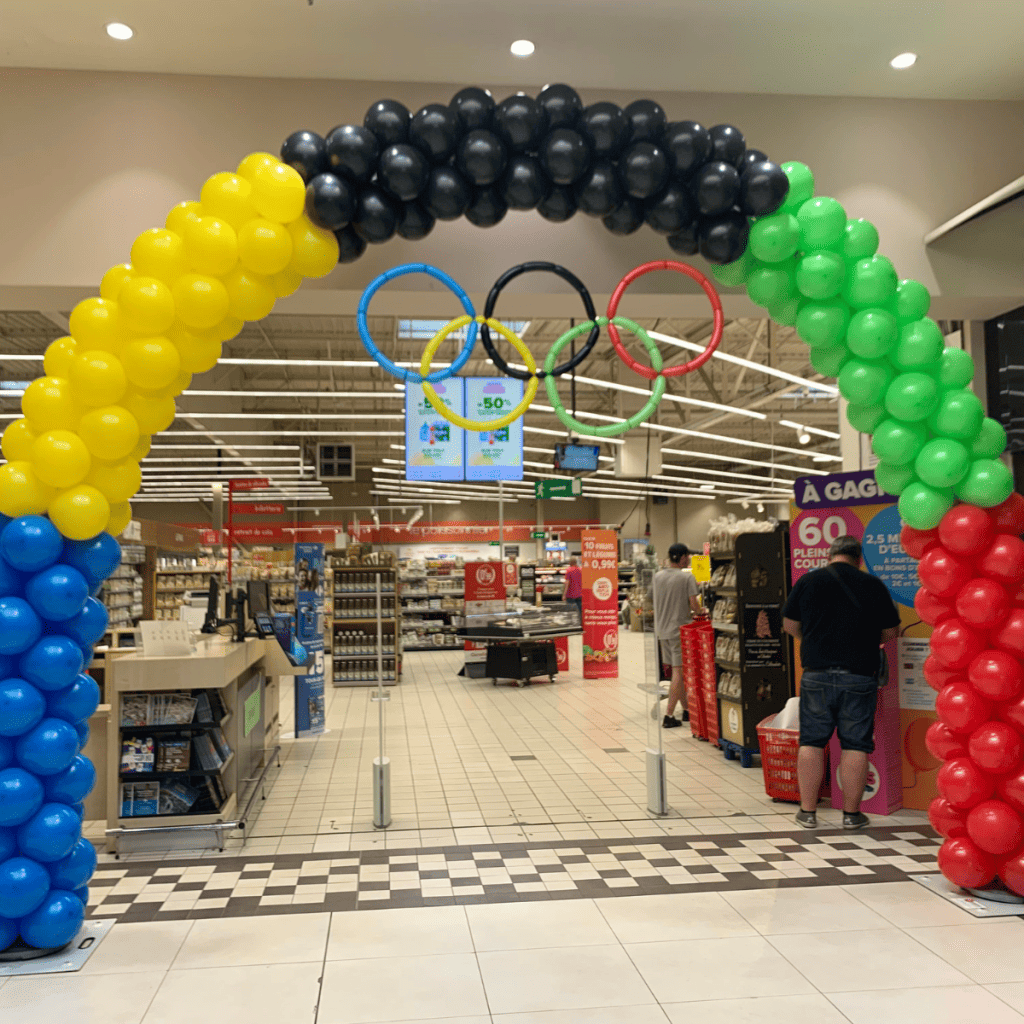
[{"x": 834, "y": 700}]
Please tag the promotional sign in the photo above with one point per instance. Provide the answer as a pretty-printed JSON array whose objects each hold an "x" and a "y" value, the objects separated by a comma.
[
  {"x": 268, "y": 508},
  {"x": 600, "y": 551},
  {"x": 252, "y": 484},
  {"x": 562, "y": 653},
  {"x": 309, "y": 629},
  {"x": 700, "y": 566},
  {"x": 494, "y": 454},
  {"x": 485, "y": 592},
  {"x": 434, "y": 448}
]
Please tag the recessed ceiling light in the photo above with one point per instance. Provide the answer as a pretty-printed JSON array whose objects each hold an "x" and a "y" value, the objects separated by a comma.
[
  {"x": 903, "y": 61},
  {"x": 522, "y": 48},
  {"x": 118, "y": 30}
]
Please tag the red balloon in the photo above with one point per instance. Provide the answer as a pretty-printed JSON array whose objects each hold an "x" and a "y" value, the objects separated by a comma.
[
  {"x": 963, "y": 783},
  {"x": 995, "y": 827},
  {"x": 996, "y": 675},
  {"x": 937, "y": 675},
  {"x": 1009, "y": 637},
  {"x": 964, "y": 864},
  {"x": 1012, "y": 712},
  {"x": 943, "y": 573},
  {"x": 962, "y": 708},
  {"x": 982, "y": 603},
  {"x": 930, "y": 608},
  {"x": 1011, "y": 871},
  {"x": 965, "y": 530},
  {"x": 917, "y": 542},
  {"x": 995, "y": 747},
  {"x": 955, "y": 645},
  {"x": 1011, "y": 791},
  {"x": 1009, "y": 517},
  {"x": 943, "y": 743},
  {"x": 1004, "y": 560},
  {"x": 946, "y": 819}
]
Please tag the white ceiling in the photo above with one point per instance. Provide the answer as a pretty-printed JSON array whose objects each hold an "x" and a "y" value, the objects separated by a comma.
[{"x": 827, "y": 47}]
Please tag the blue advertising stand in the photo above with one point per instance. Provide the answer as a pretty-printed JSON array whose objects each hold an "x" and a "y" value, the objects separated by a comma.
[{"x": 309, "y": 629}]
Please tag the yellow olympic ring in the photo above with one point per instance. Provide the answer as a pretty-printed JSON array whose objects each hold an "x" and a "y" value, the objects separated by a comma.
[{"x": 513, "y": 340}]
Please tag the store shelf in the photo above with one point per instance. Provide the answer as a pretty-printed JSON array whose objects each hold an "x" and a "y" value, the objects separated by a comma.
[
  {"x": 724, "y": 591},
  {"x": 173, "y": 776},
  {"x": 409, "y": 594},
  {"x": 729, "y": 666},
  {"x": 432, "y": 647},
  {"x": 360, "y": 657},
  {"x": 726, "y": 627},
  {"x": 723, "y": 556}
]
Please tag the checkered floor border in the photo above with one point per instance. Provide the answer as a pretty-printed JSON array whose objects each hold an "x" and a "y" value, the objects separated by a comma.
[{"x": 498, "y": 873}]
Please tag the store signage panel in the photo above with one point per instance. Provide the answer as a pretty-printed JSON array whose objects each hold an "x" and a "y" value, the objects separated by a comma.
[
  {"x": 843, "y": 489},
  {"x": 434, "y": 448},
  {"x": 252, "y": 484},
  {"x": 600, "y": 550},
  {"x": 494, "y": 454},
  {"x": 257, "y": 508}
]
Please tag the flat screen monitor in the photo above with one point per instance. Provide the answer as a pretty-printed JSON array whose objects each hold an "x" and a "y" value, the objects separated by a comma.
[
  {"x": 259, "y": 597},
  {"x": 578, "y": 457}
]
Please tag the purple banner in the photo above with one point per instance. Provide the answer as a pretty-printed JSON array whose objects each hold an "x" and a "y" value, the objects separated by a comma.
[{"x": 839, "y": 489}]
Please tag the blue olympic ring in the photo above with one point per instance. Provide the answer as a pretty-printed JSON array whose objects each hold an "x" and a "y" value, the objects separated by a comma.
[{"x": 387, "y": 364}]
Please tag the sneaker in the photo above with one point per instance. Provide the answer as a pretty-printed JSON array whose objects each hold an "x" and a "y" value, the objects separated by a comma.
[
  {"x": 686, "y": 715},
  {"x": 855, "y": 820},
  {"x": 807, "y": 819},
  {"x": 670, "y": 723}
]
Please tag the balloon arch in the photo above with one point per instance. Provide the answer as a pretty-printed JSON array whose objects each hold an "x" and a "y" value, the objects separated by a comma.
[{"x": 255, "y": 233}]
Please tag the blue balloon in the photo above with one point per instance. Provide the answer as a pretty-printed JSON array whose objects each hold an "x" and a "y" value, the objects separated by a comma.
[
  {"x": 57, "y": 593},
  {"x": 53, "y": 663},
  {"x": 4, "y": 520},
  {"x": 8, "y": 843},
  {"x": 75, "y": 703},
  {"x": 82, "y": 728},
  {"x": 88, "y": 654},
  {"x": 79, "y": 809},
  {"x": 8, "y": 666},
  {"x": 50, "y": 834},
  {"x": 23, "y": 884},
  {"x": 55, "y": 922},
  {"x": 76, "y": 868},
  {"x": 8, "y": 932},
  {"x": 6, "y": 752},
  {"x": 31, "y": 543},
  {"x": 88, "y": 625},
  {"x": 21, "y": 706},
  {"x": 47, "y": 748},
  {"x": 21, "y": 795},
  {"x": 95, "y": 559},
  {"x": 20, "y": 627},
  {"x": 12, "y": 582},
  {"x": 72, "y": 785},
  {"x": 82, "y": 892}
]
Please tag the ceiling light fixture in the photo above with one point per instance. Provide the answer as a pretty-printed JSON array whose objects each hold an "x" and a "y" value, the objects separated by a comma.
[
  {"x": 119, "y": 30},
  {"x": 522, "y": 48},
  {"x": 903, "y": 61}
]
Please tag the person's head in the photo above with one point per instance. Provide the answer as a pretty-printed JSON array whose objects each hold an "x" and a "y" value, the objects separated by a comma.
[
  {"x": 574, "y": 560},
  {"x": 846, "y": 549},
  {"x": 678, "y": 555}
]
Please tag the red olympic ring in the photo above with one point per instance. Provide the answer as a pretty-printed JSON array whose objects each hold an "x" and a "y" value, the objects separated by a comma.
[{"x": 716, "y": 306}]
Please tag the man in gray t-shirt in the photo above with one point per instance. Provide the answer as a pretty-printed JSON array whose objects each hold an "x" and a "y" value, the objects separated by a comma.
[{"x": 675, "y": 603}]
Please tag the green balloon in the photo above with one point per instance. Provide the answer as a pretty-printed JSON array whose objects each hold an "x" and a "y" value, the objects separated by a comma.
[
  {"x": 898, "y": 443},
  {"x": 860, "y": 240},
  {"x": 991, "y": 440},
  {"x": 785, "y": 312},
  {"x": 801, "y": 185},
  {"x": 864, "y": 381},
  {"x": 942, "y": 462},
  {"x": 872, "y": 333},
  {"x": 893, "y": 479},
  {"x": 774, "y": 238},
  {"x": 822, "y": 223},
  {"x": 959, "y": 415},
  {"x": 735, "y": 273},
  {"x": 820, "y": 275},
  {"x": 829, "y": 361},
  {"x": 823, "y": 323},
  {"x": 922, "y": 507},
  {"x": 920, "y": 345},
  {"x": 987, "y": 483},
  {"x": 912, "y": 397},
  {"x": 864, "y": 418},
  {"x": 956, "y": 368},
  {"x": 770, "y": 285},
  {"x": 912, "y": 300},
  {"x": 870, "y": 282}
]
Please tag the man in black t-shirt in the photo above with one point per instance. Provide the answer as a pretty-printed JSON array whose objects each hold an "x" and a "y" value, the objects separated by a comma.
[{"x": 841, "y": 617}]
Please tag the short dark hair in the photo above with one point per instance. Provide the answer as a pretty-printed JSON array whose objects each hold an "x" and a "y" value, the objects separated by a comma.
[
  {"x": 846, "y": 547},
  {"x": 678, "y": 552}
]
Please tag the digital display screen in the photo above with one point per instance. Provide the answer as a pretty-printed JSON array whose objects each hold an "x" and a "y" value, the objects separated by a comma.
[
  {"x": 580, "y": 457},
  {"x": 434, "y": 448},
  {"x": 494, "y": 454}
]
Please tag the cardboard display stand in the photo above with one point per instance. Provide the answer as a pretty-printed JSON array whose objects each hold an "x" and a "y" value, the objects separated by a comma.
[{"x": 600, "y": 549}]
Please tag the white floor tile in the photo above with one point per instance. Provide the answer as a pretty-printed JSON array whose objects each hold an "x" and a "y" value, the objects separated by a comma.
[
  {"x": 536, "y": 925},
  {"x": 811, "y": 909},
  {"x": 968, "y": 1004},
  {"x": 660, "y": 918},
  {"x": 806, "y": 1009},
  {"x": 987, "y": 955},
  {"x": 595, "y": 1015},
  {"x": 78, "y": 999},
  {"x": 412, "y": 931},
  {"x": 137, "y": 948},
  {"x": 909, "y": 905},
  {"x": 238, "y": 941},
  {"x": 1012, "y": 993}
]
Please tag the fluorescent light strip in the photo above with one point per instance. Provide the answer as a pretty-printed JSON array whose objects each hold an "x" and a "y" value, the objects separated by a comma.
[
  {"x": 287, "y": 415},
  {"x": 719, "y": 472},
  {"x": 220, "y": 447},
  {"x": 784, "y": 466},
  {"x": 284, "y": 433},
  {"x": 564, "y": 435},
  {"x": 293, "y": 459},
  {"x": 811, "y": 430},
  {"x": 243, "y": 393}
]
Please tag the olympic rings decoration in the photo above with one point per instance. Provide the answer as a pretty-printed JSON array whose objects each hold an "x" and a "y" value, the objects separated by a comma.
[
  {"x": 461, "y": 421},
  {"x": 370, "y": 346},
  {"x": 716, "y": 306},
  {"x": 565, "y": 275}
]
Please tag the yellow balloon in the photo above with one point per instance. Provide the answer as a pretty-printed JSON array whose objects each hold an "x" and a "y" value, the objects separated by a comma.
[
  {"x": 151, "y": 414},
  {"x": 22, "y": 493},
  {"x": 197, "y": 353},
  {"x": 264, "y": 247},
  {"x": 116, "y": 481},
  {"x": 79, "y": 512},
  {"x": 113, "y": 281},
  {"x": 60, "y": 458},
  {"x": 287, "y": 282},
  {"x": 109, "y": 433},
  {"x": 151, "y": 362},
  {"x": 315, "y": 250},
  {"x": 230, "y": 327},
  {"x": 17, "y": 441},
  {"x": 250, "y": 163},
  {"x": 179, "y": 384},
  {"x": 120, "y": 517},
  {"x": 278, "y": 191},
  {"x": 141, "y": 450},
  {"x": 228, "y": 197},
  {"x": 98, "y": 323},
  {"x": 49, "y": 404},
  {"x": 211, "y": 246},
  {"x": 159, "y": 253},
  {"x": 59, "y": 356},
  {"x": 181, "y": 216},
  {"x": 98, "y": 378},
  {"x": 147, "y": 305},
  {"x": 251, "y": 296},
  {"x": 200, "y": 301}
]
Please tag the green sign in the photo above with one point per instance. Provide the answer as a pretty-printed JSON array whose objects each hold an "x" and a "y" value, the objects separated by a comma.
[
  {"x": 537, "y": 535},
  {"x": 560, "y": 488},
  {"x": 252, "y": 711},
  {"x": 494, "y": 543}
]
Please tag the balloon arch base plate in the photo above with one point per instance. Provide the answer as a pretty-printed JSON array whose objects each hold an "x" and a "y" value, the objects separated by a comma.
[
  {"x": 991, "y": 902},
  {"x": 20, "y": 959}
]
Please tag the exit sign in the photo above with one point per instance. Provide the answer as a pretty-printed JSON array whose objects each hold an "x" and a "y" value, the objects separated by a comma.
[
  {"x": 537, "y": 535},
  {"x": 494, "y": 543},
  {"x": 562, "y": 488}
]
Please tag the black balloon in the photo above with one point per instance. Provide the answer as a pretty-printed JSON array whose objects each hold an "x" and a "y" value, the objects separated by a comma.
[
  {"x": 524, "y": 183},
  {"x": 646, "y": 119},
  {"x": 435, "y": 130},
  {"x": 763, "y": 188},
  {"x": 629, "y": 217},
  {"x": 447, "y": 193},
  {"x": 727, "y": 143},
  {"x": 643, "y": 169},
  {"x": 330, "y": 201},
  {"x": 715, "y": 188},
  {"x": 403, "y": 170},
  {"x": 353, "y": 151},
  {"x": 389, "y": 121},
  {"x": 605, "y": 127},
  {"x": 598, "y": 192},
  {"x": 520, "y": 122},
  {"x": 688, "y": 144},
  {"x": 350, "y": 245},
  {"x": 415, "y": 221},
  {"x": 559, "y": 205},
  {"x": 750, "y": 156},
  {"x": 306, "y": 152},
  {"x": 723, "y": 239},
  {"x": 487, "y": 207},
  {"x": 376, "y": 216},
  {"x": 473, "y": 108},
  {"x": 564, "y": 155},
  {"x": 687, "y": 241},
  {"x": 481, "y": 157},
  {"x": 562, "y": 104},
  {"x": 671, "y": 210}
]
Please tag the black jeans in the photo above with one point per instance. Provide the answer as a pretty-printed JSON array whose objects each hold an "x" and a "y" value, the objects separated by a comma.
[{"x": 835, "y": 700}]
